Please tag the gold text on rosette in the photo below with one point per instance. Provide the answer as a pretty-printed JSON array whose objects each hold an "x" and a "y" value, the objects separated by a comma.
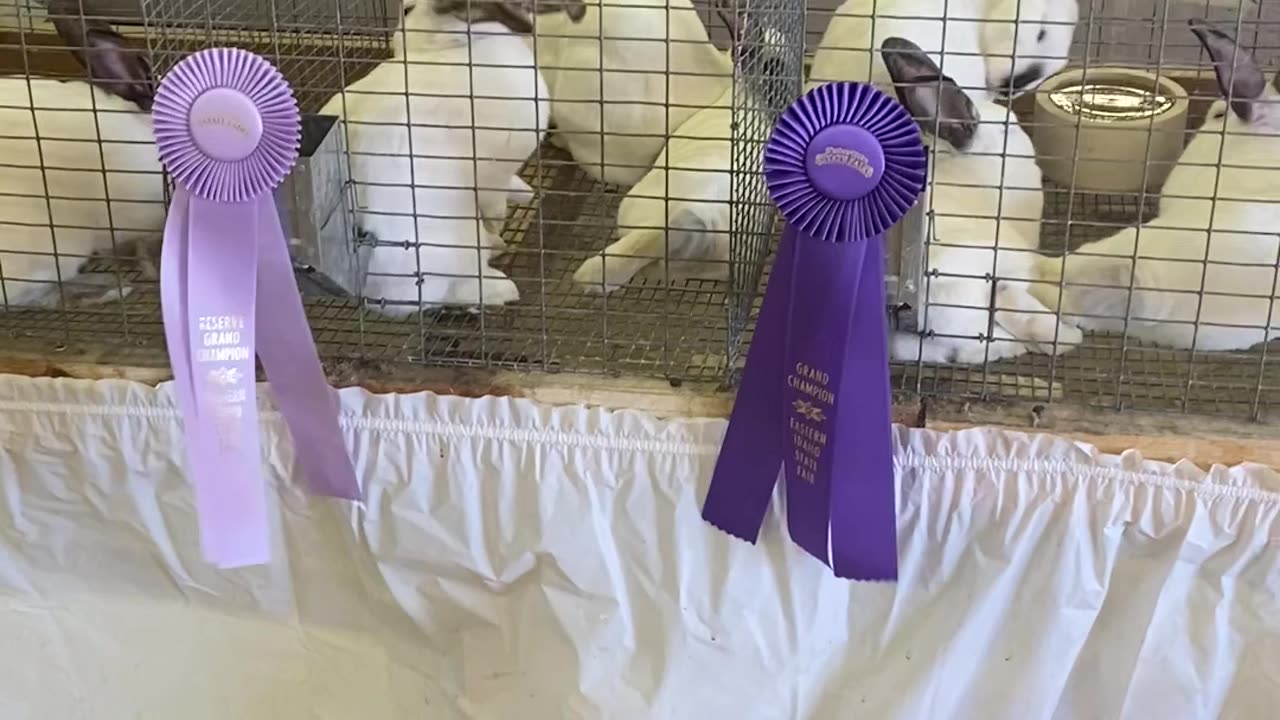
[{"x": 808, "y": 418}]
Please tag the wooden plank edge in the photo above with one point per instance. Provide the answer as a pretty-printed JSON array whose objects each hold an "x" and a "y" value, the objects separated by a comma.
[
  {"x": 1203, "y": 452},
  {"x": 1158, "y": 436}
]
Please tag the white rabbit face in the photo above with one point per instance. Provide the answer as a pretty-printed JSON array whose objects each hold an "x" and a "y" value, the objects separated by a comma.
[{"x": 1026, "y": 41}]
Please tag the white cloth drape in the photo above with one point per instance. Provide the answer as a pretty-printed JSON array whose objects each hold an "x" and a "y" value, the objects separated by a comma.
[{"x": 520, "y": 561}]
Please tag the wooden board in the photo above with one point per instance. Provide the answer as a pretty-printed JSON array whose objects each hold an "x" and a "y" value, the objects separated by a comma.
[{"x": 1167, "y": 437}]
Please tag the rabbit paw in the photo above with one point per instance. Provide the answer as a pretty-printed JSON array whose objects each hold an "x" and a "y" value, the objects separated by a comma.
[
  {"x": 497, "y": 289},
  {"x": 590, "y": 275},
  {"x": 558, "y": 140},
  {"x": 1069, "y": 338},
  {"x": 521, "y": 193}
]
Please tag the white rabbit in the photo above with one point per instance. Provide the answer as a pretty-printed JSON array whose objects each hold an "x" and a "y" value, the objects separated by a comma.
[
  {"x": 975, "y": 42},
  {"x": 967, "y": 243},
  {"x": 1229, "y": 215},
  {"x": 615, "y": 101},
  {"x": 91, "y": 183},
  {"x": 435, "y": 149},
  {"x": 687, "y": 191},
  {"x": 677, "y": 217}
]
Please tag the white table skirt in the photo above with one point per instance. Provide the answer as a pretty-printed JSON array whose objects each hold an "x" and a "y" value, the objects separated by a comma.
[{"x": 515, "y": 560}]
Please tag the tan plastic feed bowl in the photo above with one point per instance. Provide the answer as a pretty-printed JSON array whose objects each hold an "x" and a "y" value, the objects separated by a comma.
[{"x": 1126, "y": 117}]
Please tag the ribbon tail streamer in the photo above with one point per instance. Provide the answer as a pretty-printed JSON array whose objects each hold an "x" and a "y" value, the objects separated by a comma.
[
  {"x": 750, "y": 459},
  {"x": 173, "y": 300},
  {"x": 292, "y": 366},
  {"x": 864, "y": 527},
  {"x": 226, "y": 460},
  {"x": 816, "y": 384}
]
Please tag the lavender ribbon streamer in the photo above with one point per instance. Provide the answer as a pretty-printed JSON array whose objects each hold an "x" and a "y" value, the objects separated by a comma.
[
  {"x": 291, "y": 361},
  {"x": 844, "y": 164},
  {"x": 208, "y": 287}
]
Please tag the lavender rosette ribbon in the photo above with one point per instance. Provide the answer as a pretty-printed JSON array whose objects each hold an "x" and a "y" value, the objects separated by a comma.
[
  {"x": 844, "y": 163},
  {"x": 228, "y": 129}
]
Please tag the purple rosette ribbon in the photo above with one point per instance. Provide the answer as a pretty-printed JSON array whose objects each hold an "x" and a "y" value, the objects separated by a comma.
[
  {"x": 228, "y": 129},
  {"x": 844, "y": 163}
]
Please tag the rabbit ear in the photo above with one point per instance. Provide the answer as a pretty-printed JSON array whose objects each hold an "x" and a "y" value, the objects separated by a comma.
[
  {"x": 933, "y": 98},
  {"x": 515, "y": 15},
  {"x": 1239, "y": 77},
  {"x": 112, "y": 65}
]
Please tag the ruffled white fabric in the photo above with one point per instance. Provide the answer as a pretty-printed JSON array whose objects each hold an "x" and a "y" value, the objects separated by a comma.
[{"x": 519, "y": 561}]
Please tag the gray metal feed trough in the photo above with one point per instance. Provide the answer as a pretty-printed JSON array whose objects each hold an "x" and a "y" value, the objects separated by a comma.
[{"x": 315, "y": 210}]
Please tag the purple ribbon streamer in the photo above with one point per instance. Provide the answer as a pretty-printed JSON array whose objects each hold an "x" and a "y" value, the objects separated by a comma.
[
  {"x": 864, "y": 527},
  {"x": 226, "y": 278},
  {"x": 751, "y": 452},
  {"x": 815, "y": 402}
]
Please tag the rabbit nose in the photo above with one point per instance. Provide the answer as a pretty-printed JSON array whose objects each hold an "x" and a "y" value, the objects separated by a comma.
[{"x": 1015, "y": 84}]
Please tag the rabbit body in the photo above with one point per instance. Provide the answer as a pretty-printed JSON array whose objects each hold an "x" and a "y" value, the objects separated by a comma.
[
  {"x": 687, "y": 191},
  {"x": 973, "y": 41},
  {"x": 615, "y": 101},
  {"x": 965, "y": 250},
  {"x": 986, "y": 201},
  {"x": 101, "y": 174},
  {"x": 435, "y": 151},
  {"x": 1229, "y": 214}
]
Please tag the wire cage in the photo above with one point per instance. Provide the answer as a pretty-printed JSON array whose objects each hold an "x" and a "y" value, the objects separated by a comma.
[
  {"x": 656, "y": 326},
  {"x": 1119, "y": 369},
  {"x": 744, "y": 61}
]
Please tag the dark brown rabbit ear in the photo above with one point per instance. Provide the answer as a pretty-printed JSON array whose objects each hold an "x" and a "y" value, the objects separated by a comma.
[
  {"x": 515, "y": 15},
  {"x": 575, "y": 9},
  {"x": 476, "y": 11},
  {"x": 518, "y": 14},
  {"x": 1239, "y": 76},
  {"x": 112, "y": 64},
  {"x": 935, "y": 101}
]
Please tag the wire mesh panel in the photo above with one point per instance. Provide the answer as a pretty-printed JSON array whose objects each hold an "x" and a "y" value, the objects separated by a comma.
[
  {"x": 770, "y": 74},
  {"x": 606, "y": 212},
  {"x": 447, "y": 70},
  {"x": 1097, "y": 181}
]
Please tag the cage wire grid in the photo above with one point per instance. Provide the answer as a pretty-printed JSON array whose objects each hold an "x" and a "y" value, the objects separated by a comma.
[{"x": 693, "y": 330}]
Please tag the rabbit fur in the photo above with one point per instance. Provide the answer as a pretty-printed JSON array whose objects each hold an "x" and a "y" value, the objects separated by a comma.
[
  {"x": 678, "y": 211},
  {"x": 967, "y": 244},
  {"x": 94, "y": 142},
  {"x": 675, "y": 222},
  {"x": 983, "y": 49},
  {"x": 435, "y": 151},
  {"x": 1229, "y": 215},
  {"x": 615, "y": 101}
]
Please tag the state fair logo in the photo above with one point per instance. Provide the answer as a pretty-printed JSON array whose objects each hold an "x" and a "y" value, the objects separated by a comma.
[{"x": 848, "y": 157}]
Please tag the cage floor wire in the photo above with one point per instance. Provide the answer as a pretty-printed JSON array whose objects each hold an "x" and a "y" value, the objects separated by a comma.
[{"x": 680, "y": 331}]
